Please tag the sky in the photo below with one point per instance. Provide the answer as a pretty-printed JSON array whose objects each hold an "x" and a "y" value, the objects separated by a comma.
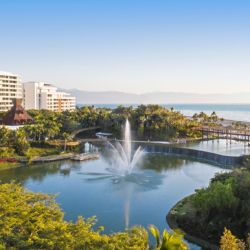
[{"x": 137, "y": 46}]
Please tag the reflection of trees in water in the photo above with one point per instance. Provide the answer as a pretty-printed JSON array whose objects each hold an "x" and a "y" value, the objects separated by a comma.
[
  {"x": 198, "y": 175},
  {"x": 37, "y": 172},
  {"x": 194, "y": 176},
  {"x": 160, "y": 162}
]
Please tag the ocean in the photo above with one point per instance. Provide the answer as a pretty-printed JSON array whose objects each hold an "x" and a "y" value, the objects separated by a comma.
[{"x": 238, "y": 112}]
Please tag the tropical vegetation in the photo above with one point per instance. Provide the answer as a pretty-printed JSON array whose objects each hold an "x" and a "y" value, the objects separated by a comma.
[
  {"x": 34, "y": 221},
  {"x": 224, "y": 203},
  {"x": 149, "y": 122},
  {"x": 168, "y": 240}
]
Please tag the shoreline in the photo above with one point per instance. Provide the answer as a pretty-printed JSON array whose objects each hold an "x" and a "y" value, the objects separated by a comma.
[
  {"x": 49, "y": 158},
  {"x": 19, "y": 162},
  {"x": 171, "y": 220},
  {"x": 52, "y": 158}
]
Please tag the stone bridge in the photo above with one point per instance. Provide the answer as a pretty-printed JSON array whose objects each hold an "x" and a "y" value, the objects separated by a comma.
[{"x": 80, "y": 130}]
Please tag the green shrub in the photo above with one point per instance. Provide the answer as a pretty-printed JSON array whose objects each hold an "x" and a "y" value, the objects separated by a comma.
[
  {"x": 34, "y": 221},
  {"x": 217, "y": 198},
  {"x": 224, "y": 203}
]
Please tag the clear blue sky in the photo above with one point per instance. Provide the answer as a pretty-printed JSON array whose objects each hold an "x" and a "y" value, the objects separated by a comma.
[{"x": 129, "y": 45}]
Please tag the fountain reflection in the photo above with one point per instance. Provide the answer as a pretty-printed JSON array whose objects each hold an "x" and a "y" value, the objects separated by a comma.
[
  {"x": 127, "y": 212},
  {"x": 128, "y": 185}
]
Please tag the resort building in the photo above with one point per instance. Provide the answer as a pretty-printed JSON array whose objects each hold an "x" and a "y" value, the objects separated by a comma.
[
  {"x": 40, "y": 95},
  {"x": 10, "y": 88}
]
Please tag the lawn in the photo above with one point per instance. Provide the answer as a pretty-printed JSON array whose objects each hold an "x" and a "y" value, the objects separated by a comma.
[{"x": 46, "y": 151}]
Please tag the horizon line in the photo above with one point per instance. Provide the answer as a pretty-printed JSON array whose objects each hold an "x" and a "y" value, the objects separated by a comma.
[{"x": 155, "y": 92}]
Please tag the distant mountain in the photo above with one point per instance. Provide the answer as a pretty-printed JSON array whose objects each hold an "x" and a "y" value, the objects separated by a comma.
[{"x": 116, "y": 97}]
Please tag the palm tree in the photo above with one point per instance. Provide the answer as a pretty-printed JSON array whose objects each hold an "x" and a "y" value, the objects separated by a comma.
[
  {"x": 4, "y": 136},
  {"x": 66, "y": 137},
  {"x": 168, "y": 241}
]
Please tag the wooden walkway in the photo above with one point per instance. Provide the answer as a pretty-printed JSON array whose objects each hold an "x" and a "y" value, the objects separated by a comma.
[{"x": 225, "y": 133}]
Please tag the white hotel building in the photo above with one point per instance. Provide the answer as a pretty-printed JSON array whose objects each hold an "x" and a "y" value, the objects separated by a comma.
[
  {"x": 10, "y": 88},
  {"x": 40, "y": 95}
]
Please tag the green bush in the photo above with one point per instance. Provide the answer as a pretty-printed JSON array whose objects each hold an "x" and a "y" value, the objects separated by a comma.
[
  {"x": 224, "y": 203},
  {"x": 34, "y": 221},
  {"x": 217, "y": 198},
  {"x": 7, "y": 152}
]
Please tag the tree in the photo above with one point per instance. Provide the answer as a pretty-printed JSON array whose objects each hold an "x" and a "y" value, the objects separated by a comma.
[
  {"x": 46, "y": 125},
  {"x": 66, "y": 137},
  {"x": 230, "y": 242},
  {"x": 21, "y": 145},
  {"x": 34, "y": 221},
  {"x": 4, "y": 136},
  {"x": 224, "y": 203}
]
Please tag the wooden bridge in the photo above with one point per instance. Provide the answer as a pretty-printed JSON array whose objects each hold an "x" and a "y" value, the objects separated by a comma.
[{"x": 225, "y": 133}]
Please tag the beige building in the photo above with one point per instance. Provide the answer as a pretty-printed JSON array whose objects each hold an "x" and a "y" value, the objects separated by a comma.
[
  {"x": 10, "y": 88},
  {"x": 40, "y": 95}
]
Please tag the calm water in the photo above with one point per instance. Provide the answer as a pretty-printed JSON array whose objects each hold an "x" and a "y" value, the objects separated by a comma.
[
  {"x": 239, "y": 112},
  {"x": 222, "y": 146},
  {"x": 143, "y": 198}
]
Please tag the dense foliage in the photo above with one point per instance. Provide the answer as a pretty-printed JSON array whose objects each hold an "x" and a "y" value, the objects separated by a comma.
[
  {"x": 148, "y": 122},
  {"x": 15, "y": 139},
  {"x": 225, "y": 203},
  {"x": 34, "y": 221},
  {"x": 207, "y": 120}
]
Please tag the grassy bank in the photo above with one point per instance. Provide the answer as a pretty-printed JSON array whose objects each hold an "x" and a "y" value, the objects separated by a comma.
[
  {"x": 42, "y": 151},
  {"x": 8, "y": 165},
  {"x": 10, "y": 159}
]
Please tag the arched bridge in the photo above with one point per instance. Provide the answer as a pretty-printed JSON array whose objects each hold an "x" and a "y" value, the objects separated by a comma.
[{"x": 80, "y": 130}]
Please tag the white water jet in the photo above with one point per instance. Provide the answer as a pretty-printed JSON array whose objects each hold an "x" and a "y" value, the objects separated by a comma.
[
  {"x": 127, "y": 141},
  {"x": 122, "y": 156}
]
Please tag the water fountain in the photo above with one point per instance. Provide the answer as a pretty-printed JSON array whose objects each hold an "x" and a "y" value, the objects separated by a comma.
[{"x": 124, "y": 160}]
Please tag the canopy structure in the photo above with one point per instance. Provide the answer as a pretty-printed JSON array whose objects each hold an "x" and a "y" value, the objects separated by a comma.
[{"x": 17, "y": 115}]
